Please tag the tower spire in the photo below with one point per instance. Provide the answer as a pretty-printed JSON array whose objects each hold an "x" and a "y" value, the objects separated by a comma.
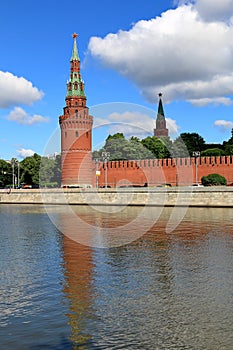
[
  {"x": 160, "y": 107},
  {"x": 75, "y": 85},
  {"x": 75, "y": 55},
  {"x": 160, "y": 130}
]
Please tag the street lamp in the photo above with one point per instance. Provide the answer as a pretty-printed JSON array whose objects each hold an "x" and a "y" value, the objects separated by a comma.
[
  {"x": 106, "y": 156},
  {"x": 196, "y": 154},
  {"x": 97, "y": 172},
  {"x": 18, "y": 182},
  {"x": 14, "y": 162}
]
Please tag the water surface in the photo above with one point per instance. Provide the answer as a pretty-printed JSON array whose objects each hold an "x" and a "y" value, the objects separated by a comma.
[{"x": 162, "y": 291}]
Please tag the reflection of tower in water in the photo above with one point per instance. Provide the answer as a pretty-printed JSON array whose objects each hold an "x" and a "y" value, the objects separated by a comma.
[{"x": 78, "y": 268}]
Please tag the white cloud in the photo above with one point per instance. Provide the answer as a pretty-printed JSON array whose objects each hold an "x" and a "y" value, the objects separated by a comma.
[
  {"x": 173, "y": 128},
  {"x": 23, "y": 153},
  {"x": 224, "y": 125},
  {"x": 211, "y": 10},
  {"x": 133, "y": 124},
  {"x": 17, "y": 90},
  {"x": 20, "y": 116},
  {"x": 179, "y": 53},
  {"x": 128, "y": 123},
  {"x": 205, "y": 101}
]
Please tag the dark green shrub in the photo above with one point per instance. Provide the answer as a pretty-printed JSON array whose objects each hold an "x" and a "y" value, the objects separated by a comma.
[
  {"x": 212, "y": 152},
  {"x": 213, "y": 180}
]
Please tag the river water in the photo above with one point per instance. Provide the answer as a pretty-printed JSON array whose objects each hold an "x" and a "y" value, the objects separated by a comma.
[{"x": 164, "y": 290}]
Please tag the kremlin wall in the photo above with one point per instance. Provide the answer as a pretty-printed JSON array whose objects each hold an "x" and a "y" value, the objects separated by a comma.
[
  {"x": 156, "y": 172},
  {"x": 79, "y": 170}
]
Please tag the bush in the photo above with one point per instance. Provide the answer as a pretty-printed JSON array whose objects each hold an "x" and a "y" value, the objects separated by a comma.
[
  {"x": 213, "y": 180},
  {"x": 212, "y": 152}
]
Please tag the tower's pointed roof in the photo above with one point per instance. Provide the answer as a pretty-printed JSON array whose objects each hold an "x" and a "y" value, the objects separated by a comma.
[
  {"x": 161, "y": 129},
  {"x": 160, "y": 107},
  {"x": 75, "y": 55}
]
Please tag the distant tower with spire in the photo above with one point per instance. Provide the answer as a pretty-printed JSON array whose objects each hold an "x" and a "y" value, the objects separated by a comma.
[
  {"x": 161, "y": 129},
  {"x": 76, "y": 129}
]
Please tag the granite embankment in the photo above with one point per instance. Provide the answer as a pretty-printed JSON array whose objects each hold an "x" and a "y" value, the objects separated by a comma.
[{"x": 173, "y": 196}]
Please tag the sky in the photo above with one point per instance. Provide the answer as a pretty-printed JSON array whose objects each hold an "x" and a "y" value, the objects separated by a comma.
[{"x": 130, "y": 51}]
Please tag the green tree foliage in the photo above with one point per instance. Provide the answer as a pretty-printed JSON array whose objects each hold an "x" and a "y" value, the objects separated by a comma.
[
  {"x": 229, "y": 150},
  {"x": 120, "y": 148},
  {"x": 211, "y": 152},
  {"x": 138, "y": 149},
  {"x": 192, "y": 141},
  {"x": 5, "y": 173},
  {"x": 213, "y": 145},
  {"x": 150, "y": 147},
  {"x": 50, "y": 172},
  {"x": 228, "y": 145},
  {"x": 213, "y": 180},
  {"x": 117, "y": 146},
  {"x": 30, "y": 168},
  {"x": 57, "y": 170},
  {"x": 159, "y": 148},
  {"x": 41, "y": 171},
  {"x": 179, "y": 149}
]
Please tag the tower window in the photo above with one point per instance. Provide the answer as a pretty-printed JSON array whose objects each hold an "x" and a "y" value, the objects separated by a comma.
[
  {"x": 76, "y": 133},
  {"x": 65, "y": 134}
]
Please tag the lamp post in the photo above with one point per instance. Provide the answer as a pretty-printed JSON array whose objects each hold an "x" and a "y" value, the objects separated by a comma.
[
  {"x": 18, "y": 177},
  {"x": 14, "y": 162},
  {"x": 106, "y": 156},
  {"x": 196, "y": 154},
  {"x": 97, "y": 172}
]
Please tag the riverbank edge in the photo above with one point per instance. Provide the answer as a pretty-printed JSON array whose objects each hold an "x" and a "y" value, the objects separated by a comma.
[{"x": 219, "y": 196}]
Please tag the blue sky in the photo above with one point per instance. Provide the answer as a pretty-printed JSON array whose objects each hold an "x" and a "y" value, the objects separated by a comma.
[{"x": 130, "y": 51}]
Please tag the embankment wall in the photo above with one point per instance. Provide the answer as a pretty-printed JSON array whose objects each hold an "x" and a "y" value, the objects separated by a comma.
[{"x": 175, "y": 196}]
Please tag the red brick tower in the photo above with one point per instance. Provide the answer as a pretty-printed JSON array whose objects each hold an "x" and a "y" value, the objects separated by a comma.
[
  {"x": 161, "y": 129},
  {"x": 76, "y": 130}
]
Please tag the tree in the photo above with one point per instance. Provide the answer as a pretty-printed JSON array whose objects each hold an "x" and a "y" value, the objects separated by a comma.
[
  {"x": 120, "y": 148},
  {"x": 50, "y": 172},
  {"x": 229, "y": 150},
  {"x": 138, "y": 150},
  {"x": 192, "y": 141},
  {"x": 213, "y": 145},
  {"x": 156, "y": 146},
  {"x": 30, "y": 168},
  {"x": 179, "y": 149},
  {"x": 57, "y": 170},
  {"x": 116, "y": 145},
  {"x": 228, "y": 145},
  {"x": 5, "y": 173}
]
